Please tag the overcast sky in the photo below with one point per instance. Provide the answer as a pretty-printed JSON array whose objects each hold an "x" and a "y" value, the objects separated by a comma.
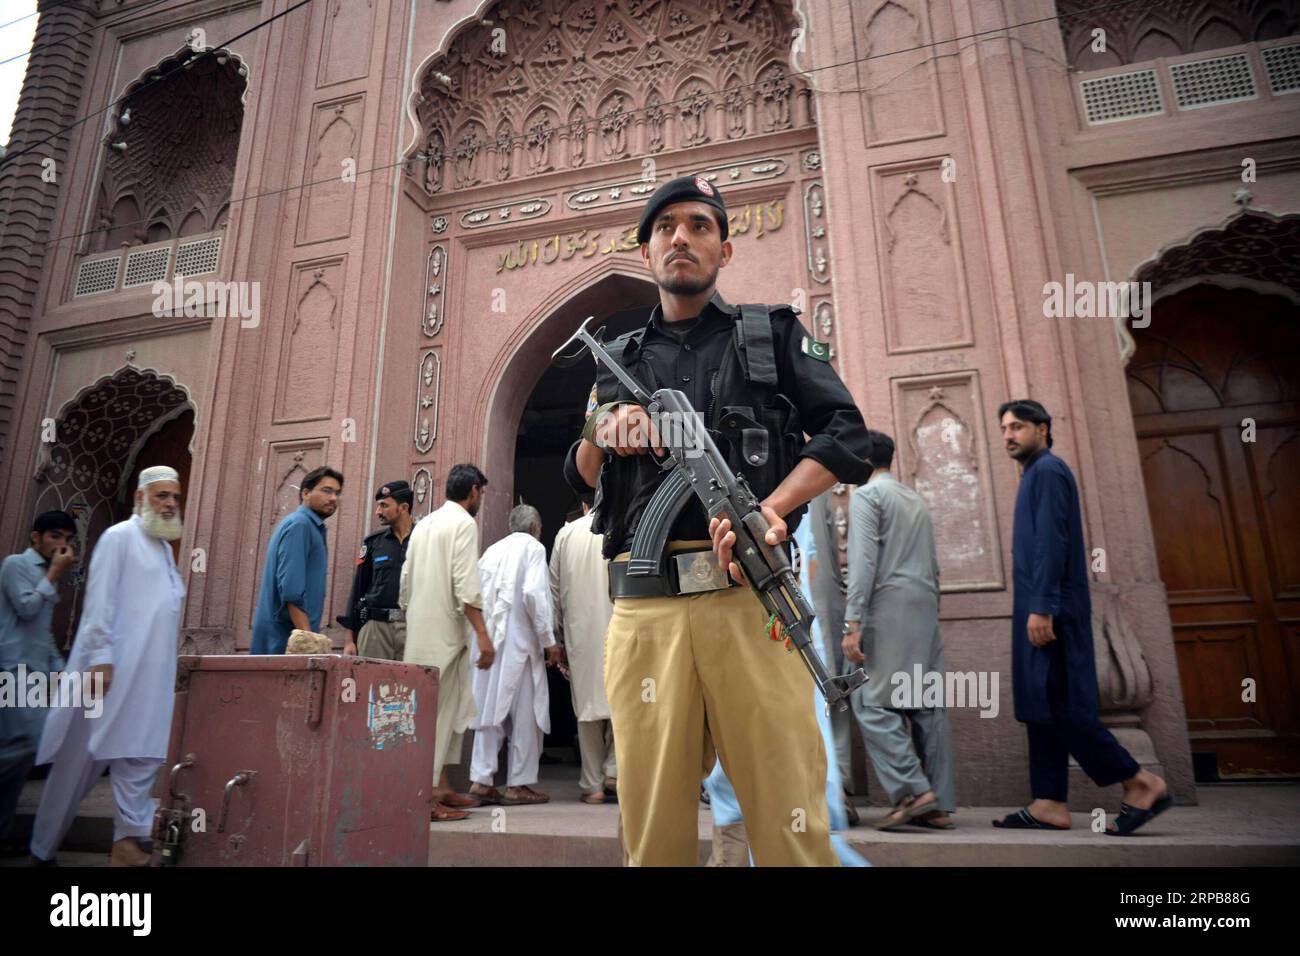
[{"x": 15, "y": 40}]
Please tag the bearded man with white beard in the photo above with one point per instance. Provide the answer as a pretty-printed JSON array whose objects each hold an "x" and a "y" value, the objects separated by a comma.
[{"x": 126, "y": 638}]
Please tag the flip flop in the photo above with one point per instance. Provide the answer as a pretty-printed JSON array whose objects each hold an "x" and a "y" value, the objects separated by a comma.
[
  {"x": 1022, "y": 819},
  {"x": 1131, "y": 818}
]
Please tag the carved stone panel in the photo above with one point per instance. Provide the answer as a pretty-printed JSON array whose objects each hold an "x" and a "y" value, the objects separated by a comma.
[
  {"x": 821, "y": 322},
  {"x": 428, "y": 390},
  {"x": 818, "y": 238},
  {"x": 344, "y": 54},
  {"x": 435, "y": 283},
  {"x": 900, "y": 93},
  {"x": 591, "y": 81},
  {"x": 309, "y": 353},
  {"x": 326, "y": 208},
  {"x": 422, "y": 489},
  {"x": 287, "y": 464},
  {"x": 943, "y": 455},
  {"x": 922, "y": 272}
]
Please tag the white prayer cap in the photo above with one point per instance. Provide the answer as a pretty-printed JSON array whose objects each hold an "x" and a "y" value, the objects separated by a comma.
[{"x": 157, "y": 473}]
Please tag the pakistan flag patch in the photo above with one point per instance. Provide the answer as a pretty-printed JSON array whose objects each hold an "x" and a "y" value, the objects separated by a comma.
[{"x": 821, "y": 351}]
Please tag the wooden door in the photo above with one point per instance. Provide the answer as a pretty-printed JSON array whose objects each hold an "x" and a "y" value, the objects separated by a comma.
[{"x": 1215, "y": 391}]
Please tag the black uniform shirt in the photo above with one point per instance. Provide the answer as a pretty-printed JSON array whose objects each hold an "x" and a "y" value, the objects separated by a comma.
[
  {"x": 689, "y": 360},
  {"x": 378, "y": 575}
]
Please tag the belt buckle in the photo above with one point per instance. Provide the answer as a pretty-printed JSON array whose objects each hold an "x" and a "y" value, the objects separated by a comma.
[
  {"x": 396, "y": 616},
  {"x": 698, "y": 571}
]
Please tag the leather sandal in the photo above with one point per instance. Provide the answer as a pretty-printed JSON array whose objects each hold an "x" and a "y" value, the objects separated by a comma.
[
  {"x": 445, "y": 814},
  {"x": 489, "y": 795},
  {"x": 524, "y": 796},
  {"x": 457, "y": 801},
  {"x": 904, "y": 812}
]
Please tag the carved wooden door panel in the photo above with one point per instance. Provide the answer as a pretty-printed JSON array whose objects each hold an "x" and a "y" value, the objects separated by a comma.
[{"x": 1218, "y": 426}]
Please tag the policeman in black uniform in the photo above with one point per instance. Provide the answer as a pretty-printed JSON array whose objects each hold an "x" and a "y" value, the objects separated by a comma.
[
  {"x": 689, "y": 666},
  {"x": 376, "y": 625}
]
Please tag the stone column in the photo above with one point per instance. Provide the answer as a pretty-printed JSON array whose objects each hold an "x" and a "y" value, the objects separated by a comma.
[{"x": 29, "y": 186}]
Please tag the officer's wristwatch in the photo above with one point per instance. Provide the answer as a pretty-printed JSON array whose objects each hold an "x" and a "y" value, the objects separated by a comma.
[{"x": 850, "y": 626}]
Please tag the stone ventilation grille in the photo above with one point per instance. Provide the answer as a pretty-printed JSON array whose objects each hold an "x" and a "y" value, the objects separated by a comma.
[
  {"x": 1121, "y": 96},
  {"x": 198, "y": 257},
  {"x": 97, "y": 275},
  {"x": 1223, "y": 79},
  {"x": 146, "y": 267},
  {"x": 1283, "y": 66}
]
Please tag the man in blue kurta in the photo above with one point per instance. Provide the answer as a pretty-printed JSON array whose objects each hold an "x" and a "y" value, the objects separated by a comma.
[
  {"x": 1053, "y": 670},
  {"x": 28, "y": 592},
  {"x": 297, "y": 558}
]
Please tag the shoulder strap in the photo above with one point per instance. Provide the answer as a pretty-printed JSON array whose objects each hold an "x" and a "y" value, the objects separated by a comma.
[{"x": 757, "y": 354}]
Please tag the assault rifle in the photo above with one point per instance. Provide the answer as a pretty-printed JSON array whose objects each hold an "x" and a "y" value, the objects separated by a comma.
[{"x": 693, "y": 465}]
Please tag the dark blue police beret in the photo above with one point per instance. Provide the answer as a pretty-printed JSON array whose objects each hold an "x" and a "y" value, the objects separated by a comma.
[{"x": 681, "y": 189}]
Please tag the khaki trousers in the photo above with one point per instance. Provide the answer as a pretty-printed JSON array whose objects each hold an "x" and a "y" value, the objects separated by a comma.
[
  {"x": 382, "y": 640},
  {"x": 685, "y": 675}
]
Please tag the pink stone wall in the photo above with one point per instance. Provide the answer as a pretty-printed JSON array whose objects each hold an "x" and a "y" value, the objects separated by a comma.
[{"x": 924, "y": 199}]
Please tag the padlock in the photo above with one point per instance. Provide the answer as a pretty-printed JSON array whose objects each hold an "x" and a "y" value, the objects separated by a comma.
[{"x": 169, "y": 826}]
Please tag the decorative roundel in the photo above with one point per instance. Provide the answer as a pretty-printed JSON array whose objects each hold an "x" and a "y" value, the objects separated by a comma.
[{"x": 703, "y": 185}]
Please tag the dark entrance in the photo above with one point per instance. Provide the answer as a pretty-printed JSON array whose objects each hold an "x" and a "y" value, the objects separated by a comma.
[{"x": 551, "y": 422}]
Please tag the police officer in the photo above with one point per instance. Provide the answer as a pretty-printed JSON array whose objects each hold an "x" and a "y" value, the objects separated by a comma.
[
  {"x": 688, "y": 663},
  {"x": 376, "y": 625}
]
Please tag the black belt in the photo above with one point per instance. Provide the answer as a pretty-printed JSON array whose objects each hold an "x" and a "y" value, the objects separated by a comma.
[
  {"x": 386, "y": 615},
  {"x": 689, "y": 572}
]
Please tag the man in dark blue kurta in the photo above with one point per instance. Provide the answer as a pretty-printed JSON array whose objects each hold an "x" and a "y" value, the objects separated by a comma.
[
  {"x": 297, "y": 559},
  {"x": 1053, "y": 671}
]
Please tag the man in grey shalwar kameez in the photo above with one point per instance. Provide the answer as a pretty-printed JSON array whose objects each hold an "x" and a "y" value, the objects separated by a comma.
[{"x": 891, "y": 624}]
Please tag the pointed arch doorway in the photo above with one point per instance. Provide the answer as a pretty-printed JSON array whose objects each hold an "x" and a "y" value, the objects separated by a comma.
[
  {"x": 546, "y": 405},
  {"x": 105, "y": 436},
  {"x": 1214, "y": 385}
]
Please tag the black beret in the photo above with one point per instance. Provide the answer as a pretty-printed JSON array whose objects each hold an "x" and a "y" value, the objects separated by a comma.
[
  {"x": 681, "y": 189},
  {"x": 392, "y": 490}
]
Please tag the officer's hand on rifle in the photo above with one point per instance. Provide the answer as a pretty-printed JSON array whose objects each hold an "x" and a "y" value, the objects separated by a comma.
[
  {"x": 724, "y": 539},
  {"x": 627, "y": 430}
]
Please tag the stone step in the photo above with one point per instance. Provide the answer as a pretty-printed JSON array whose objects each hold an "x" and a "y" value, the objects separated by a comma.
[{"x": 1237, "y": 824}]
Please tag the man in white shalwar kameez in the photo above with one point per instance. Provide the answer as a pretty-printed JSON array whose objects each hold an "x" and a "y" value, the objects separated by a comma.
[
  {"x": 128, "y": 633},
  {"x": 511, "y": 696},
  {"x": 580, "y": 601},
  {"x": 440, "y": 594}
]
